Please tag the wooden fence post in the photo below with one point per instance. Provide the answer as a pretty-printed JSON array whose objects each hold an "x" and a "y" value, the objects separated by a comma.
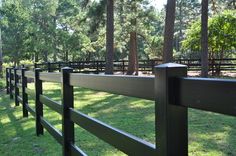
[
  {"x": 10, "y": 83},
  {"x": 24, "y": 95},
  {"x": 35, "y": 65},
  {"x": 97, "y": 67},
  {"x": 123, "y": 66},
  {"x": 16, "y": 78},
  {"x": 59, "y": 66},
  {"x": 38, "y": 104},
  {"x": 67, "y": 102},
  {"x": 7, "y": 80},
  {"x": 49, "y": 67},
  {"x": 171, "y": 120}
]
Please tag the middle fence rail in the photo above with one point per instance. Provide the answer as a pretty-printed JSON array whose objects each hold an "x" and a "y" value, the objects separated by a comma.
[
  {"x": 171, "y": 89},
  {"x": 215, "y": 65}
]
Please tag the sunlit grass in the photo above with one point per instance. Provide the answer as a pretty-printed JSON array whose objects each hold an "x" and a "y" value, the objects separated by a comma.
[{"x": 210, "y": 134}]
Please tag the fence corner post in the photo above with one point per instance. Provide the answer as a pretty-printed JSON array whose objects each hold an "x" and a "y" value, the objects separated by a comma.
[
  {"x": 24, "y": 95},
  {"x": 10, "y": 83},
  {"x": 67, "y": 102},
  {"x": 38, "y": 104},
  {"x": 16, "y": 78},
  {"x": 7, "y": 80},
  {"x": 171, "y": 120}
]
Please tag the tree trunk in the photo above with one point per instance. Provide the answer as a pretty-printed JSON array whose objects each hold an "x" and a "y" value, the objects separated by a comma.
[
  {"x": 55, "y": 39},
  {"x": 180, "y": 25},
  {"x": 1, "y": 59},
  {"x": 110, "y": 37},
  {"x": 133, "y": 54},
  {"x": 204, "y": 39},
  {"x": 66, "y": 55},
  {"x": 36, "y": 57},
  {"x": 169, "y": 31},
  {"x": 133, "y": 62},
  {"x": 45, "y": 57}
]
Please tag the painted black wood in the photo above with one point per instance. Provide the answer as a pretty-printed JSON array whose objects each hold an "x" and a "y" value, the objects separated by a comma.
[
  {"x": 24, "y": 94},
  {"x": 31, "y": 110},
  {"x": 125, "y": 142},
  {"x": 19, "y": 99},
  {"x": 29, "y": 74},
  {"x": 16, "y": 78},
  {"x": 38, "y": 104},
  {"x": 53, "y": 131},
  {"x": 76, "y": 151},
  {"x": 215, "y": 95},
  {"x": 7, "y": 80},
  {"x": 136, "y": 86},
  {"x": 31, "y": 93},
  {"x": 51, "y": 104},
  {"x": 171, "y": 120},
  {"x": 50, "y": 77},
  {"x": 10, "y": 83},
  {"x": 173, "y": 94},
  {"x": 67, "y": 103}
]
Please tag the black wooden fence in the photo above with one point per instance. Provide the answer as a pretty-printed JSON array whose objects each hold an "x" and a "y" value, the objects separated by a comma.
[
  {"x": 171, "y": 90},
  {"x": 215, "y": 65}
]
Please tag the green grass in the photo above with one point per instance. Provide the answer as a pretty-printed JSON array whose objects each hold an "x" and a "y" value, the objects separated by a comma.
[
  {"x": 210, "y": 134},
  {"x": 2, "y": 83}
]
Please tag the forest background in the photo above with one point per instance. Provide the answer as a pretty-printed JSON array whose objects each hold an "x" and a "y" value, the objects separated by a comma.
[{"x": 75, "y": 30}]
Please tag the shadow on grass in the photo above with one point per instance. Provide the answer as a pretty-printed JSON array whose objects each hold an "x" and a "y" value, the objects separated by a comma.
[
  {"x": 18, "y": 133},
  {"x": 209, "y": 133}
]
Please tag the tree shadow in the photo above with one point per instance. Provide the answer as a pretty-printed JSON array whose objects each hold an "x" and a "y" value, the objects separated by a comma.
[{"x": 211, "y": 133}]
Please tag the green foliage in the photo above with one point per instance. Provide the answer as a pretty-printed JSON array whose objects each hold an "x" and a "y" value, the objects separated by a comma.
[
  {"x": 51, "y": 30},
  {"x": 222, "y": 34}
]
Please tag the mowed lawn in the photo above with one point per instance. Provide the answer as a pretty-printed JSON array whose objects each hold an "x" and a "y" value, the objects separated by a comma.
[{"x": 210, "y": 134}]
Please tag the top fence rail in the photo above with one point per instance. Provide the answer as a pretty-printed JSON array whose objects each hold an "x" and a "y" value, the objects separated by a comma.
[{"x": 171, "y": 90}]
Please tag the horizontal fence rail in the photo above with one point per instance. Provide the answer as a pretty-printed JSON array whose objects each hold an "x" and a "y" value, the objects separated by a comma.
[
  {"x": 50, "y": 77},
  {"x": 141, "y": 87},
  {"x": 215, "y": 65},
  {"x": 51, "y": 104},
  {"x": 171, "y": 89},
  {"x": 113, "y": 136},
  {"x": 220, "y": 97},
  {"x": 29, "y": 74}
]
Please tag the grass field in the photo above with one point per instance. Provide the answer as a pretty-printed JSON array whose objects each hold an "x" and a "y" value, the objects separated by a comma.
[{"x": 210, "y": 134}]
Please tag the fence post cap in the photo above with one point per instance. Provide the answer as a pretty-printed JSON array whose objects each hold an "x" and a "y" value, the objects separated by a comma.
[
  {"x": 37, "y": 69},
  {"x": 66, "y": 68},
  {"x": 171, "y": 65}
]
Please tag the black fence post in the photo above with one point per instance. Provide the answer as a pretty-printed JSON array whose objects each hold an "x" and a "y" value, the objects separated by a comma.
[
  {"x": 97, "y": 67},
  {"x": 38, "y": 104},
  {"x": 16, "y": 78},
  {"x": 152, "y": 65},
  {"x": 24, "y": 95},
  {"x": 7, "y": 80},
  {"x": 10, "y": 83},
  {"x": 49, "y": 67},
  {"x": 59, "y": 66},
  {"x": 123, "y": 66},
  {"x": 67, "y": 102},
  {"x": 35, "y": 65},
  {"x": 171, "y": 120}
]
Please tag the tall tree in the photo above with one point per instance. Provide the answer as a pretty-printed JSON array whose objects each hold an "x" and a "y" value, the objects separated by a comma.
[
  {"x": 204, "y": 39},
  {"x": 110, "y": 37},
  {"x": 169, "y": 31},
  {"x": 133, "y": 53},
  {"x": 1, "y": 59}
]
